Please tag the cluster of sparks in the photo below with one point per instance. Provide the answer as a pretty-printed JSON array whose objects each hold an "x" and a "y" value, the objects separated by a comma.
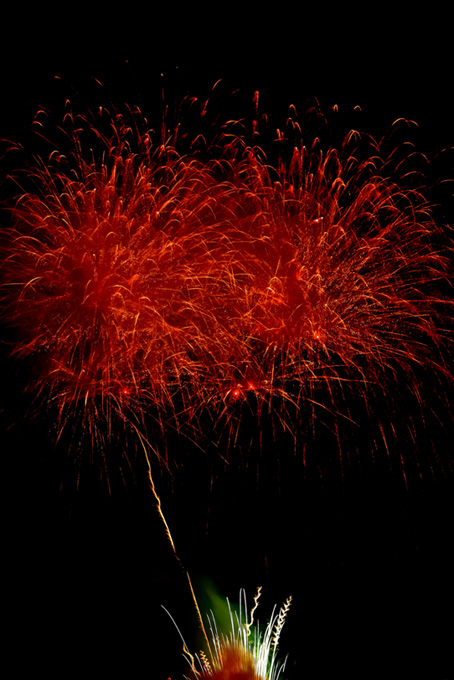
[
  {"x": 246, "y": 652},
  {"x": 149, "y": 283}
]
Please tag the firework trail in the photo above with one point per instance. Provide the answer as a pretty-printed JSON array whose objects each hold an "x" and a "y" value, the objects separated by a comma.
[{"x": 153, "y": 289}]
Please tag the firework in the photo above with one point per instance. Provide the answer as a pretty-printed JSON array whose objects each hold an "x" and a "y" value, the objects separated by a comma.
[
  {"x": 344, "y": 272},
  {"x": 111, "y": 271},
  {"x": 153, "y": 289},
  {"x": 245, "y": 652}
]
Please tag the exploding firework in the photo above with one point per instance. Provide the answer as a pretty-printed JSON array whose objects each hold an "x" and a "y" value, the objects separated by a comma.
[
  {"x": 246, "y": 652},
  {"x": 343, "y": 297},
  {"x": 156, "y": 290},
  {"x": 113, "y": 269}
]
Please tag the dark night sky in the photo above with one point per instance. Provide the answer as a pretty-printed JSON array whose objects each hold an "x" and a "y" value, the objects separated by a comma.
[
  {"x": 369, "y": 565},
  {"x": 393, "y": 64}
]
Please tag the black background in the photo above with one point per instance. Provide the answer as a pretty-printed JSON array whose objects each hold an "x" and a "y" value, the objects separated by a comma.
[{"x": 368, "y": 561}]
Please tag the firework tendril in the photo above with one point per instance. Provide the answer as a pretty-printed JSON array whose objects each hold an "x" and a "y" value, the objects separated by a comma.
[{"x": 158, "y": 288}]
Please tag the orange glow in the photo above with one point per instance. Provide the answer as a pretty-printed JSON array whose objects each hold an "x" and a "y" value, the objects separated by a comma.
[{"x": 235, "y": 663}]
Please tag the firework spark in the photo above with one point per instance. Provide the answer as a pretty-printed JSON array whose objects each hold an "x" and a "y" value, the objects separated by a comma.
[
  {"x": 147, "y": 284},
  {"x": 246, "y": 652}
]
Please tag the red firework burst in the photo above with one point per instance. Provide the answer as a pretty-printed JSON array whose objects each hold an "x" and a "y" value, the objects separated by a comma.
[
  {"x": 341, "y": 259},
  {"x": 143, "y": 281},
  {"x": 111, "y": 270}
]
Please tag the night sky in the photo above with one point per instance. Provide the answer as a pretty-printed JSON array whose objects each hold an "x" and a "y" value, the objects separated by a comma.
[{"x": 367, "y": 558}]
